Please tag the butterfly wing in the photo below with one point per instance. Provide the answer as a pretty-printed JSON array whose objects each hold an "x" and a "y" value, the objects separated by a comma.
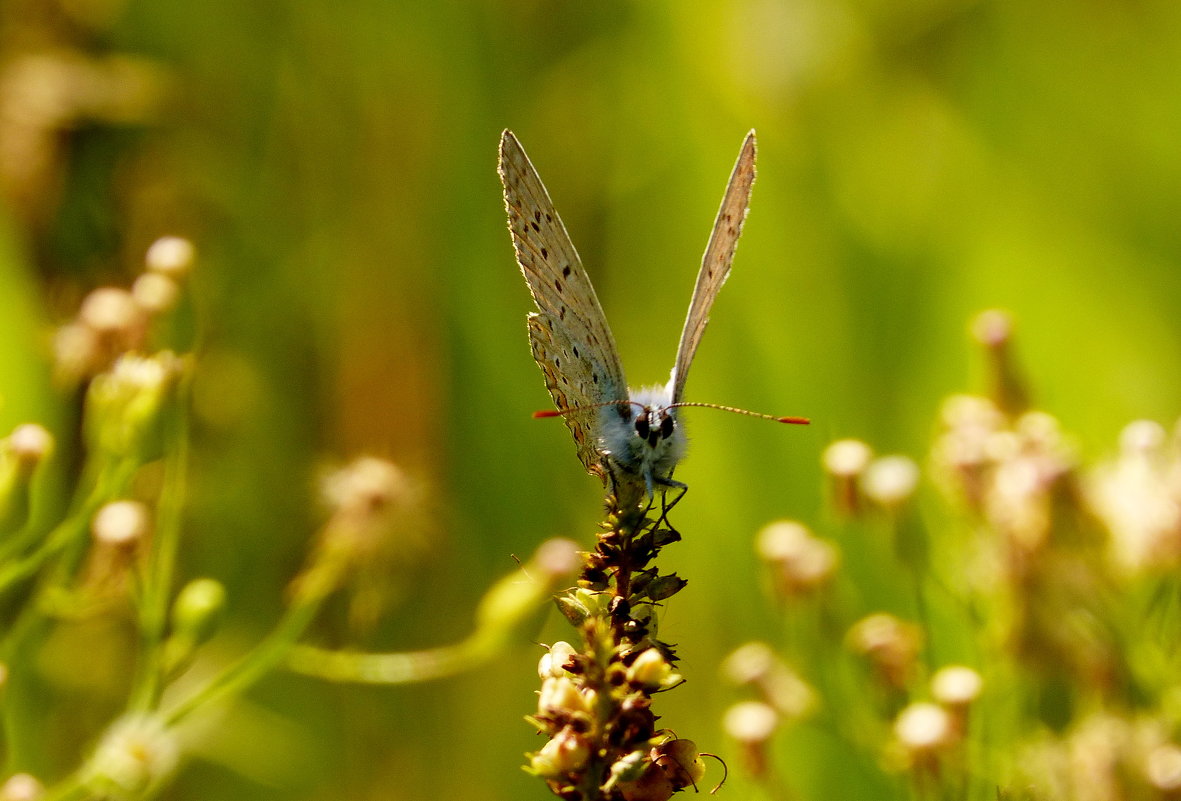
[
  {"x": 567, "y": 377},
  {"x": 715, "y": 266},
  {"x": 570, "y": 338}
]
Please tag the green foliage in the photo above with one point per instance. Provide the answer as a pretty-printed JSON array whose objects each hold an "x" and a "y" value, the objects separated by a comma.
[{"x": 356, "y": 294}]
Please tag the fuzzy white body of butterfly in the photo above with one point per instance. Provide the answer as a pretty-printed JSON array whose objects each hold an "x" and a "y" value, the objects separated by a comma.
[{"x": 648, "y": 440}]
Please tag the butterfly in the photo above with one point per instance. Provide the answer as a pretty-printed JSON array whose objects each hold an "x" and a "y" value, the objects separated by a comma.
[{"x": 620, "y": 435}]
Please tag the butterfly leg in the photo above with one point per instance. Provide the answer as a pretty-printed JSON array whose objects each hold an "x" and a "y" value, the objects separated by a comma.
[{"x": 665, "y": 506}]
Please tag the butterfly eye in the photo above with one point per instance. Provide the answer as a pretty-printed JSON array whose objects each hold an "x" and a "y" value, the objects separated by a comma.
[
  {"x": 666, "y": 426},
  {"x": 642, "y": 428}
]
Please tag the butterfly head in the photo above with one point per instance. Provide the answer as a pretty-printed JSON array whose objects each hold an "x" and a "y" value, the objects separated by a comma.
[
  {"x": 645, "y": 437},
  {"x": 654, "y": 425}
]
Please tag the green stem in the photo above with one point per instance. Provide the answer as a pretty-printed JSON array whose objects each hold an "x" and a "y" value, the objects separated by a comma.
[
  {"x": 158, "y": 579},
  {"x": 72, "y": 788},
  {"x": 313, "y": 587}
]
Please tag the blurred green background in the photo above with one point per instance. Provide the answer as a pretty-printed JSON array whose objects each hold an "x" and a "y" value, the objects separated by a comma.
[{"x": 335, "y": 163}]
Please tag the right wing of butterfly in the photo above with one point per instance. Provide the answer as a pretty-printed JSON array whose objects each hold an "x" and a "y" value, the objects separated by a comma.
[{"x": 715, "y": 265}]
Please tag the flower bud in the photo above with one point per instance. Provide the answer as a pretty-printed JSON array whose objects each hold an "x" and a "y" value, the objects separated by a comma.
[
  {"x": 1163, "y": 768},
  {"x": 26, "y": 448},
  {"x": 844, "y": 461},
  {"x": 964, "y": 451},
  {"x": 134, "y": 755},
  {"x": 994, "y": 330},
  {"x": 627, "y": 768},
  {"x": 21, "y": 787},
  {"x": 123, "y": 405},
  {"x": 155, "y": 293},
  {"x": 890, "y": 481},
  {"x": 802, "y": 562},
  {"x": 750, "y": 663},
  {"x": 112, "y": 313},
  {"x": 651, "y": 671},
  {"x": 561, "y": 698},
  {"x": 514, "y": 598},
  {"x": 197, "y": 610},
  {"x": 566, "y": 753},
  {"x": 121, "y": 524},
  {"x": 553, "y": 659},
  {"x": 751, "y": 722},
  {"x": 923, "y": 728},
  {"x": 891, "y": 646},
  {"x": 29, "y": 445},
  {"x": 956, "y": 686},
  {"x": 77, "y": 353},
  {"x": 170, "y": 256}
]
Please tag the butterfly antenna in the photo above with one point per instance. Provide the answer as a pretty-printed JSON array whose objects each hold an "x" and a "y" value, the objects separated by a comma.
[
  {"x": 542, "y": 413},
  {"x": 798, "y": 421}
]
